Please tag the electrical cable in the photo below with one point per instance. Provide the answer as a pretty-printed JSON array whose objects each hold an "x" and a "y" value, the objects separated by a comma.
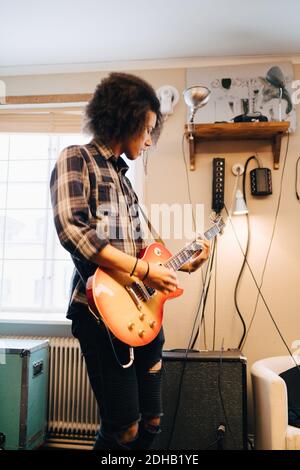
[
  {"x": 213, "y": 443},
  {"x": 179, "y": 390},
  {"x": 194, "y": 227},
  {"x": 204, "y": 297},
  {"x": 270, "y": 245},
  {"x": 209, "y": 281},
  {"x": 258, "y": 288},
  {"x": 246, "y": 253},
  {"x": 192, "y": 341},
  {"x": 296, "y": 180},
  {"x": 189, "y": 193},
  {"x": 220, "y": 392},
  {"x": 263, "y": 298},
  {"x": 215, "y": 299}
]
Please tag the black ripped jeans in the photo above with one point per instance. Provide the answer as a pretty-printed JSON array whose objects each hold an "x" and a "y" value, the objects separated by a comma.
[{"x": 124, "y": 396}]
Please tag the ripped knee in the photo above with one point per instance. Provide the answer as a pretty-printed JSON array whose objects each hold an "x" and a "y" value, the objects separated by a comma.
[
  {"x": 152, "y": 424},
  {"x": 129, "y": 434},
  {"x": 152, "y": 421},
  {"x": 156, "y": 367}
]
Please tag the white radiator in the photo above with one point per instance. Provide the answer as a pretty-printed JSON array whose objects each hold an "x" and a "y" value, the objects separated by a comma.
[{"x": 72, "y": 408}]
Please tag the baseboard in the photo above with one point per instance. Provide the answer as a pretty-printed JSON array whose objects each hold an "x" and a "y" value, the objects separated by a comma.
[{"x": 57, "y": 443}]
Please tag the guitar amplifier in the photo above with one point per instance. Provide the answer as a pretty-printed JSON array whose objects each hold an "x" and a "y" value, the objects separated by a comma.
[
  {"x": 204, "y": 401},
  {"x": 23, "y": 393}
]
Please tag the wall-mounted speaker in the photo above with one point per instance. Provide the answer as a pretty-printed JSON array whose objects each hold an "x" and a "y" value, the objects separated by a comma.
[{"x": 204, "y": 401}]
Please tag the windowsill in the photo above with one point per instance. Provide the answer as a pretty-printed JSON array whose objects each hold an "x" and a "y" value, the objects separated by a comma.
[{"x": 34, "y": 318}]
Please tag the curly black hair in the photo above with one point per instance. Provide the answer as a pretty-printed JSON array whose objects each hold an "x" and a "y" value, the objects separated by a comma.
[{"x": 119, "y": 107}]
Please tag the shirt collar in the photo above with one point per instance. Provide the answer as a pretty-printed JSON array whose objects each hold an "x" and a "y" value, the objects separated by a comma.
[{"x": 108, "y": 154}]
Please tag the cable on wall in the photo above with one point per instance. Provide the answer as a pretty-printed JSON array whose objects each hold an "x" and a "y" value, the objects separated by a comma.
[
  {"x": 246, "y": 253},
  {"x": 270, "y": 245}
]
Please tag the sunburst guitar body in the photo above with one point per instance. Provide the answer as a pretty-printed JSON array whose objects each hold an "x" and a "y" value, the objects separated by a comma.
[{"x": 130, "y": 309}]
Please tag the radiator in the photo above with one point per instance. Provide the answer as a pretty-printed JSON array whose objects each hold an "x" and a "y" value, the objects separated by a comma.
[{"x": 72, "y": 408}]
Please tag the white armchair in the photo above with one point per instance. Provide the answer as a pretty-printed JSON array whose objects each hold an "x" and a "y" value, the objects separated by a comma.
[{"x": 271, "y": 406}]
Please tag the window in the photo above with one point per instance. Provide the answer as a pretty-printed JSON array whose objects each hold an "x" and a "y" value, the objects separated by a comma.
[{"x": 35, "y": 270}]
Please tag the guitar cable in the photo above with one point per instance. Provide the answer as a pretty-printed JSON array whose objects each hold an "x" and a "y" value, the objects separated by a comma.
[{"x": 131, "y": 350}]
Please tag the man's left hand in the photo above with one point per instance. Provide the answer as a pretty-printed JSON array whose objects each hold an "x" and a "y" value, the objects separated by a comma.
[{"x": 199, "y": 258}]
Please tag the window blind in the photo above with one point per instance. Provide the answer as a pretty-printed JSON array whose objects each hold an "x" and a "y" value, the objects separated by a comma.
[{"x": 42, "y": 120}]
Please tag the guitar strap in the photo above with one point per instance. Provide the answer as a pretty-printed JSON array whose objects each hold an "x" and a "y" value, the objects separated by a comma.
[{"x": 156, "y": 236}]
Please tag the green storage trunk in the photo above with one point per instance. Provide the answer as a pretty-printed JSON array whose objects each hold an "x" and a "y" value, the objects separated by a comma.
[{"x": 23, "y": 392}]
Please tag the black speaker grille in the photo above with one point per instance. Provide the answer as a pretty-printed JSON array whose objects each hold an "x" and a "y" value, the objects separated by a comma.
[{"x": 213, "y": 392}]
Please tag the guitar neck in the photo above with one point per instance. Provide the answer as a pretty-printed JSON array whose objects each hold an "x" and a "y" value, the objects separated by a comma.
[{"x": 184, "y": 255}]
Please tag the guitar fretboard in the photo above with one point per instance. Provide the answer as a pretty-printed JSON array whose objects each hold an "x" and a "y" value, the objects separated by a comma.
[{"x": 186, "y": 253}]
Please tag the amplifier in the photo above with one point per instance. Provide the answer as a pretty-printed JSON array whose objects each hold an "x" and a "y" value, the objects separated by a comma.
[{"x": 208, "y": 390}]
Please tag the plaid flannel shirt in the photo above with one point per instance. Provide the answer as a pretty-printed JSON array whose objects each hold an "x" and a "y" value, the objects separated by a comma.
[{"x": 93, "y": 204}]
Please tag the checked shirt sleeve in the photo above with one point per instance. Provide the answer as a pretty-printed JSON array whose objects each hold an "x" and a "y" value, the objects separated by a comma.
[{"x": 74, "y": 223}]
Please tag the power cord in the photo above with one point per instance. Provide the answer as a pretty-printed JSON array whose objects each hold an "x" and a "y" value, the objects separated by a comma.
[
  {"x": 296, "y": 180},
  {"x": 189, "y": 193},
  {"x": 269, "y": 247},
  {"x": 187, "y": 350},
  {"x": 194, "y": 227},
  {"x": 202, "y": 301},
  {"x": 220, "y": 392},
  {"x": 246, "y": 252},
  {"x": 220, "y": 432},
  {"x": 262, "y": 296},
  {"x": 215, "y": 297},
  {"x": 204, "y": 297}
]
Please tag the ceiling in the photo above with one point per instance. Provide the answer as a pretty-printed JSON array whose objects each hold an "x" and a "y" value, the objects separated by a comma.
[{"x": 35, "y": 33}]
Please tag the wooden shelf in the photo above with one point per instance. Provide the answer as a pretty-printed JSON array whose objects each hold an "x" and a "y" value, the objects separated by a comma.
[{"x": 273, "y": 131}]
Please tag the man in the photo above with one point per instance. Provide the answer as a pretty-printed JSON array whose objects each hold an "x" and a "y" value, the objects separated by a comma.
[{"x": 97, "y": 222}]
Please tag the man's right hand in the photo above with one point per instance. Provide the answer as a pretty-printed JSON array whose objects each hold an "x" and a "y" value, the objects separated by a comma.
[{"x": 163, "y": 279}]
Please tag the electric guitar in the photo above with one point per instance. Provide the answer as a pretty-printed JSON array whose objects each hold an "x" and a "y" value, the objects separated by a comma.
[{"x": 131, "y": 310}]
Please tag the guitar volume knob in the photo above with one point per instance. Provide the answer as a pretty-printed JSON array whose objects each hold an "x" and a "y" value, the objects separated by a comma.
[
  {"x": 152, "y": 323},
  {"x": 130, "y": 326},
  {"x": 141, "y": 316},
  {"x": 141, "y": 333}
]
